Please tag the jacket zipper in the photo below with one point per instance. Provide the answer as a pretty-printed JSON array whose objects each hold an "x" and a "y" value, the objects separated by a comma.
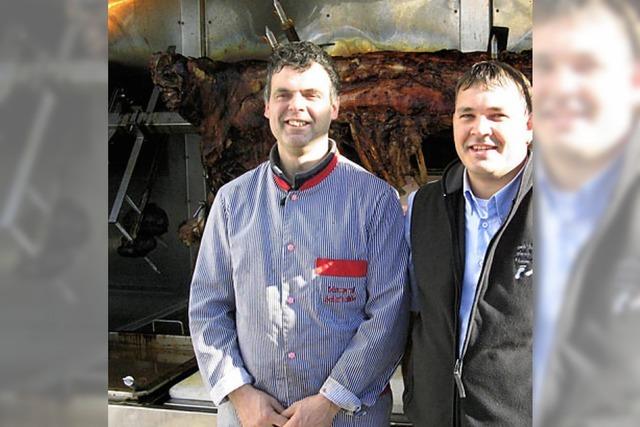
[
  {"x": 457, "y": 370},
  {"x": 457, "y": 375}
]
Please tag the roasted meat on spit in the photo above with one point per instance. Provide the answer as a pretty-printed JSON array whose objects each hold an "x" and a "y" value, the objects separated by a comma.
[{"x": 390, "y": 103}]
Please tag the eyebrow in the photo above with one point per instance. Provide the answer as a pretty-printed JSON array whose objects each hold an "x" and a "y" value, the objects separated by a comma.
[
  {"x": 309, "y": 90},
  {"x": 471, "y": 110}
]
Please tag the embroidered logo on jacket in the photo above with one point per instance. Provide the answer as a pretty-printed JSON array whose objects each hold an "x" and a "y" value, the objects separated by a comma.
[{"x": 523, "y": 261}]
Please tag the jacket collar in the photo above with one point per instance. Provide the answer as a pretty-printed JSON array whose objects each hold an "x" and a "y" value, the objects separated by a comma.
[
  {"x": 453, "y": 178},
  {"x": 307, "y": 179}
]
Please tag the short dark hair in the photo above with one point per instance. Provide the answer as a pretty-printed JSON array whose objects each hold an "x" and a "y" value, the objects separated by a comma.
[
  {"x": 495, "y": 73},
  {"x": 623, "y": 10},
  {"x": 300, "y": 56}
]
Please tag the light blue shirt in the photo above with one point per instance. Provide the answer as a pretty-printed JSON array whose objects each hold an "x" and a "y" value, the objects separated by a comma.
[
  {"x": 483, "y": 218},
  {"x": 564, "y": 223}
]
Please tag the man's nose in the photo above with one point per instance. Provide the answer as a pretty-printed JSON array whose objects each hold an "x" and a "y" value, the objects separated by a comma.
[
  {"x": 296, "y": 102},
  {"x": 482, "y": 127}
]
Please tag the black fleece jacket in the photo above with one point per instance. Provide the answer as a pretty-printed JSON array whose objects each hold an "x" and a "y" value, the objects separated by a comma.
[{"x": 490, "y": 383}]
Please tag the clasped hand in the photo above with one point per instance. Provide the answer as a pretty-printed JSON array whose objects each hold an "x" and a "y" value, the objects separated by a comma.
[{"x": 256, "y": 408}]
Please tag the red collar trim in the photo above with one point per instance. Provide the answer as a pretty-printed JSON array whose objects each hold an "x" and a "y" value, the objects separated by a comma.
[
  {"x": 284, "y": 185},
  {"x": 311, "y": 182}
]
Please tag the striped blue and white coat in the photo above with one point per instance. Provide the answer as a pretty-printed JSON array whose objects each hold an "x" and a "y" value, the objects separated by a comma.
[{"x": 300, "y": 292}]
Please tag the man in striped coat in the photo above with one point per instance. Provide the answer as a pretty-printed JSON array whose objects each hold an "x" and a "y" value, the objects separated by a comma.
[{"x": 298, "y": 310}]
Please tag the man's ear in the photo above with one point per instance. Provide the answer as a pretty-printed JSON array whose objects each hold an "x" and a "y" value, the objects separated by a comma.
[
  {"x": 530, "y": 128},
  {"x": 266, "y": 109},
  {"x": 335, "y": 107}
]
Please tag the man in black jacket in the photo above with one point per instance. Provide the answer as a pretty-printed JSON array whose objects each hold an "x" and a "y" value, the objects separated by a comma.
[{"x": 468, "y": 361}]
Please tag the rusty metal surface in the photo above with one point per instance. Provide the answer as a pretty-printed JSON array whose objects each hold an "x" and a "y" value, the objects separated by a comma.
[
  {"x": 367, "y": 26},
  {"x": 138, "y": 28},
  {"x": 518, "y": 16},
  {"x": 233, "y": 30}
]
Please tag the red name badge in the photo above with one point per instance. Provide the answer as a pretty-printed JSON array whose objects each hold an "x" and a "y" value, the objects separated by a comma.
[{"x": 341, "y": 267}]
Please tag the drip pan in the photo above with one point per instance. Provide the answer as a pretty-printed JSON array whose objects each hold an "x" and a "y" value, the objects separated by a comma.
[{"x": 142, "y": 364}]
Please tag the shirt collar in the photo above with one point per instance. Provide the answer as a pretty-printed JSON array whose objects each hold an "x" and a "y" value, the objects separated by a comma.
[
  {"x": 499, "y": 203},
  {"x": 306, "y": 179}
]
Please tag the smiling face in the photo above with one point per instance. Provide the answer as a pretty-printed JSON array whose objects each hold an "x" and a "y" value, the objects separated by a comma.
[
  {"x": 586, "y": 87},
  {"x": 300, "y": 108},
  {"x": 491, "y": 130}
]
